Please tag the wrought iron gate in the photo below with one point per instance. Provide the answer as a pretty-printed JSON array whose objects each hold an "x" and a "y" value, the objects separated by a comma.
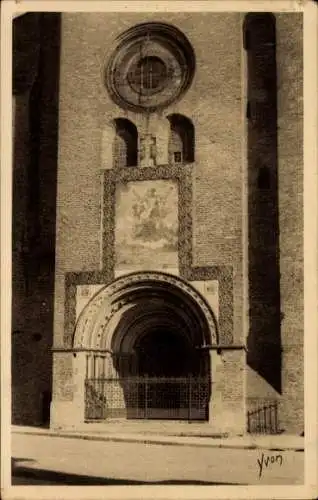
[
  {"x": 180, "y": 398},
  {"x": 115, "y": 389},
  {"x": 264, "y": 420}
]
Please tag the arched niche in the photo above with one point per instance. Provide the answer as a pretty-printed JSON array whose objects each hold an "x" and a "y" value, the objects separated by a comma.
[
  {"x": 181, "y": 145},
  {"x": 125, "y": 144}
]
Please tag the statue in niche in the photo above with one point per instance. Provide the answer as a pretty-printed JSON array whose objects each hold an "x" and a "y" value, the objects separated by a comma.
[{"x": 148, "y": 150}]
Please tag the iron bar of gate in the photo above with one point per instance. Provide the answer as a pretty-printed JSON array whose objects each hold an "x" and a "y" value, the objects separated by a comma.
[
  {"x": 98, "y": 398},
  {"x": 146, "y": 397},
  {"x": 264, "y": 419},
  {"x": 189, "y": 399},
  {"x": 276, "y": 415}
]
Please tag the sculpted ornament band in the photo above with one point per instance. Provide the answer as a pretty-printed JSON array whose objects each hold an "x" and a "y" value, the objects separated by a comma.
[
  {"x": 151, "y": 66},
  {"x": 99, "y": 318}
]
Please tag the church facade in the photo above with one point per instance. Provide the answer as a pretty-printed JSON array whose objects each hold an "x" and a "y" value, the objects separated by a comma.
[{"x": 161, "y": 270}]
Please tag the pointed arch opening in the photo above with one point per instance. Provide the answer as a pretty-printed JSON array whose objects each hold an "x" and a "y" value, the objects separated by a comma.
[
  {"x": 125, "y": 146},
  {"x": 181, "y": 140}
]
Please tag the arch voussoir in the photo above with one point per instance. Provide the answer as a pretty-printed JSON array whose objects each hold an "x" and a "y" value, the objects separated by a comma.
[{"x": 153, "y": 292}]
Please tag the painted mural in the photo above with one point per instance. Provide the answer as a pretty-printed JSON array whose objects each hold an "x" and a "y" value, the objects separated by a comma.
[{"x": 146, "y": 232}]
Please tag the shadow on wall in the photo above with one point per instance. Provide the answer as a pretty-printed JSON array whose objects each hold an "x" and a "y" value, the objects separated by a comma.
[
  {"x": 264, "y": 340},
  {"x": 36, "y": 39}
]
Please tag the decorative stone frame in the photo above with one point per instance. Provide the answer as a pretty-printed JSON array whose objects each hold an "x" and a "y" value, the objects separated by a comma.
[
  {"x": 223, "y": 274},
  {"x": 182, "y": 175}
]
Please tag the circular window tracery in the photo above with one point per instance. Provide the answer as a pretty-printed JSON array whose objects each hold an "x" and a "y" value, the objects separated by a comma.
[
  {"x": 149, "y": 74},
  {"x": 151, "y": 66}
]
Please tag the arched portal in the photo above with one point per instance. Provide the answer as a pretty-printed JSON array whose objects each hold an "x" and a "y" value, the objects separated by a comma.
[{"x": 145, "y": 330}]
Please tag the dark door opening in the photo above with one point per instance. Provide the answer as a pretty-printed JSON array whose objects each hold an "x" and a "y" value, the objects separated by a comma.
[
  {"x": 165, "y": 353},
  {"x": 170, "y": 369}
]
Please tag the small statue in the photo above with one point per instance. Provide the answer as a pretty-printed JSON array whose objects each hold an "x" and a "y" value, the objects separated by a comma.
[{"x": 148, "y": 150}]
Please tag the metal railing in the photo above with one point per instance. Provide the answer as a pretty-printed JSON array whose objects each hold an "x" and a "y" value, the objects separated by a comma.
[
  {"x": 184, "y": 398},
  {"x": 264, "y": 420}
]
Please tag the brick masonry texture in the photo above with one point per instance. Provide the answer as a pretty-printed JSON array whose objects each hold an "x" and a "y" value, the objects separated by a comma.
[
  {"x": 85, "y": 103},
  {"x": 290, "y": 200}
]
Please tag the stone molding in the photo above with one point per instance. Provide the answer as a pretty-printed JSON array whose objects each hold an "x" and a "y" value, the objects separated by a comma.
[
  {"x": 113, "y": 298},
  {"x": 152, "y": 39}
]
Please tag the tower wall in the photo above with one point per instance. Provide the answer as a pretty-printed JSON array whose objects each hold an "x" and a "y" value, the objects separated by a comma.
[{"x": 216, "y": 105}]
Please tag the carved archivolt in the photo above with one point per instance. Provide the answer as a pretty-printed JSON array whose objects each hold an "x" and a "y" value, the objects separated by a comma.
[{"x": 122, "y": 311}]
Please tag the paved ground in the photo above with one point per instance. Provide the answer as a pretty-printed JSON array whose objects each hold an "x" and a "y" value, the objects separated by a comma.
[
  {"x": 49, "y": 460},
  {"x": 150, "y": 432}
]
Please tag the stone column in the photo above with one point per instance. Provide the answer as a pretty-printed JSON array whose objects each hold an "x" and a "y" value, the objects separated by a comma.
[
  {"x": 233, "y": 391},
  {"x": 68, "y": 404},
  {"x": 79, "y": 367},
  {"x": 227, "y": 403},
  {"x": 215, "y": 405}
]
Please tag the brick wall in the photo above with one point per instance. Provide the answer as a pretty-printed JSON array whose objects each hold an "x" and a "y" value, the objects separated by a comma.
[
  {"x": 86, "y": 109},
  {"x": 290, "y": 144},
  {"x": 290, "y": 202}
]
